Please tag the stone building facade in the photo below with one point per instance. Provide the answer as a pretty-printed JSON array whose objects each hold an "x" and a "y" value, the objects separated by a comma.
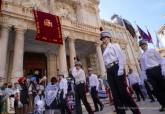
[
  {"x": 161, "y": 31},
  {"x": 20, "y": 52},
  {"x": 161, "y": 34}
]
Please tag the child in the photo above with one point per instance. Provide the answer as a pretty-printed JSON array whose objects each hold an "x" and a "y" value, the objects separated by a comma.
[
  {"x": 70, "y": 102},
  {"x": 39, "y": 103}
]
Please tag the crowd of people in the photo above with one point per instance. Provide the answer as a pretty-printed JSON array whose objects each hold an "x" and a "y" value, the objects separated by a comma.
[{"x": 36, "y": 95}]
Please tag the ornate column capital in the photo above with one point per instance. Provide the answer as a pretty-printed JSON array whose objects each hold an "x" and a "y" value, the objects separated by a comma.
[
  {"x": 5, "y": 26},
  {"x": 19, "y": 30},
  {"x": 71, "y": 40}
]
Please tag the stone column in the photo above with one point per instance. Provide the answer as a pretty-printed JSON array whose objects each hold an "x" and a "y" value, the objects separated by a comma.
[
  {"x": 51, "y": 65},
  {"x": 3, "y": 50},
  {"x": 17, "y": 69},
  {"x": 72, "y": 52},
  {"x": 62, "y": 60},
  {"x": 100, "y": 58}
]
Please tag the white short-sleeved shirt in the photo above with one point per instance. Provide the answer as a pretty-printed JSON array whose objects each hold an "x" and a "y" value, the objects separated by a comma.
[
  {"x": 150, "y": 58},
  {"x": 113, "y": 53},
  {"x": 93, "y": 81},
  {"x": 79, "y": 75}
]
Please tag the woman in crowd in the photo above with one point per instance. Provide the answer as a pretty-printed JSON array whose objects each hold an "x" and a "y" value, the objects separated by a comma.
[
  {"x": 51, "y": 96},
  {"x": 22, "y": 97}
]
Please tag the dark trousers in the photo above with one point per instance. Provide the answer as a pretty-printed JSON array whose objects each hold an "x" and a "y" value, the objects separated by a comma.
[
  {"x": 158, "y": 82},
  {"x": 120, "y": 94},
  {"x": 95, "y": 98},
  {"x": 138, "y": 91},
  {"x": 149, "y": 91},
  {"x": 63, "y": 107},
  {"x": 80, "y": 94}
]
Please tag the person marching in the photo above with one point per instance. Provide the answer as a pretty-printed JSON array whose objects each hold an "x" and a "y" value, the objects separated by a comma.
[
  {"x": 80, "y": 89},
  {"x": 154, "y": 67},
  {"x": 94, "y": 87},
  {"x": 114, "y": 61},
  {"x": 134, "y": 81}
]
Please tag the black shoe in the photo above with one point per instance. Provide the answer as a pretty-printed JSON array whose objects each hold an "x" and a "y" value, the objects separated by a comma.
[
  {"x": 162, "y": 109},
  {"x": 152, "y": 101},
  {"x": 137, "y": 100},
  {"x": 96, "y": 110},
  {"x": 102, "y": 107},
  {"x": 126, "y": 108},
  {"x": 92, "y": 112}
]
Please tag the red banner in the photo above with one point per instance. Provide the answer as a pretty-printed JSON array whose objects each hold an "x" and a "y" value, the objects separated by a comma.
[
  {"x": 48, "y": 27},
  {"x": 0, "y": 4}
]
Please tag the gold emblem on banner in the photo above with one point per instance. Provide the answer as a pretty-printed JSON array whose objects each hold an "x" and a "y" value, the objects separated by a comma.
[{"x": 48, "y": 23}]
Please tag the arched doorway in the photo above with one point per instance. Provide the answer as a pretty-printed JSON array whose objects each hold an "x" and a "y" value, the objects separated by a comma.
[{"x": 35, "y": 61}]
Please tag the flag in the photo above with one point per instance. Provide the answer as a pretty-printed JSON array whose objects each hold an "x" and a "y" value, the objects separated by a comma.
[
  {"x": 129, "y": 27},
  {"x": 157, "y": 41},
  {"x": 149, "y": 35},
  {"x": 48, "y": 27},
  {"x": 123, "y": 22},
  {"x": 144, "y": 35}
]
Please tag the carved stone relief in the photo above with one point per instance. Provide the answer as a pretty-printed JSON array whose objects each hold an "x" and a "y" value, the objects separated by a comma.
[
  {"x": 65, "y": 11},
  {"x": 39, "y": 4}
]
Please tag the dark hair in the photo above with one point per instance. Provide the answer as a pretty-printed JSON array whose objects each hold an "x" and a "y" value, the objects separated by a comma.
[
  {"x": 76, "y": 58},
  {"x": 130, "y": 70},
  {"x": 53, "y": 80}
]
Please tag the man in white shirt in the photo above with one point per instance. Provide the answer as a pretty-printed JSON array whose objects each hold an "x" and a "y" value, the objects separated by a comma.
[
  {"x": 94, "y": 87},
  {"x": 80, "y": 88},
  {"x": 114, "y": 61},
  {"x": 63, "y": 86},
  {"x": 134, "y": 81},
  {"x": 154, "y": 67}
]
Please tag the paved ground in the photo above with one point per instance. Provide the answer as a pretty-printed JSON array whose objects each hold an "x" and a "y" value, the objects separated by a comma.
[{"x": 145, "y": 107}]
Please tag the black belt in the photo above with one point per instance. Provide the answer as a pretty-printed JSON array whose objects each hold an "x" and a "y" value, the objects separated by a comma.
[
  {"x": 111, "y": 64},
  {"x": 93, "y": 86},
  {"x": 153, "y": 67},
  {"x": 81, "y": 82}
]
